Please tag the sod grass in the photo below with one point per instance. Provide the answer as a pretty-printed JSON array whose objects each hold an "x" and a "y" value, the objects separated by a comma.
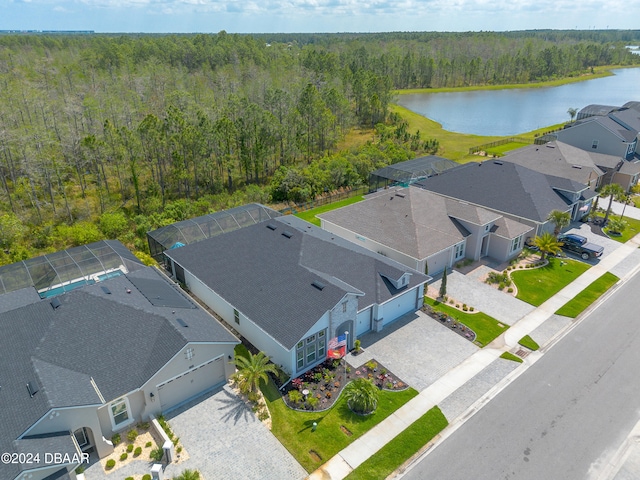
[
  {"x": 537, "y": 285},
  {"x": 310, "y": 215},
  {"x": 402, "y": 447},
  {"x": 512, "y": 357},
  {"x": 586, "y": 297},
  {"x": 486, "y": 327},
  {"x": 529, "y": 343}
]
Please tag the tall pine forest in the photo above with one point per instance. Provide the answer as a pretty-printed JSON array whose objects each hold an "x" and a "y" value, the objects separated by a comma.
[{"x": 107, "y": 136}]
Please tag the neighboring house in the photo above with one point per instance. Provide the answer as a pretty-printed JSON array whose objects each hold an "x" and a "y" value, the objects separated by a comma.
[
  {"x": 288, "y": 287},
  {"x": 517, "y": 192},
  {"x": 418, "y": 227},
  {"x": 589, "y": 167},
  {"x": 406, "y": 173},
  {"x": 612, "y": 134},
  {"x": 80, "y": 366}
]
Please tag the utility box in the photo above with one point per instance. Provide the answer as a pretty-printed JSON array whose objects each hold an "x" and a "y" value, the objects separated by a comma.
[
  {"x": 168, "y": 451},
  {"x": 156, "y": 470}
]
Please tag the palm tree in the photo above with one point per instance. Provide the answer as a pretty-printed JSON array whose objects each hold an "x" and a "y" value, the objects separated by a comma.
[
  {"x": 572, "y": 113},
  {"x": 617, "y": 226},
  {"x": 252, "y": 371},
  {"x": 559, "y": 219},
  {"x": 188, "y": 474},
  {"x": 614, "y": 192},
  {"x": 547, "y": 243},
  {"x": 362, "y": 395}
]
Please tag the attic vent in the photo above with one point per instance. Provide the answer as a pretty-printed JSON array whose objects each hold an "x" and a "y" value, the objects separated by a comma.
[
  {"x": 287, "y": 234},
  {"x": 181, "y": 322},
  {"x": 32, "y": 389},
  {"x": 106, "y": 290},
  {"x": 498, "y": 163},
  {"x": 271, "y": 226},
  {"x": 401, "y": 195},
  {"x": 577, "y": 166},
  {"x": 55, "y": 303},
  {"x": 318, "y": 285}
]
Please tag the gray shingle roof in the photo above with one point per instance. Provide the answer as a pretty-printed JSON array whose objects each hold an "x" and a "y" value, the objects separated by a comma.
[
  {"x": 118, "y": 339},
  {"x": 505, "y": 187},
  {"x": 40, "y": 446},
  {"x": 268, "y": 277}
]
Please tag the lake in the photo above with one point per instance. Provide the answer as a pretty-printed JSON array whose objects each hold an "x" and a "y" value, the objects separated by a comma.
[{"x": 520, "y": 110}]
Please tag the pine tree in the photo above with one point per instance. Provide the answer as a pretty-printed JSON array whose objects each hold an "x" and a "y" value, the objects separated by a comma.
[{"x": 443, "y": 283}]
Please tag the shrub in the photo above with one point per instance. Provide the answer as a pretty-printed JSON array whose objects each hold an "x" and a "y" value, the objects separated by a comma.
[
  {"x": 179, "y": 450},
  {"x": 128, "y": 478},
  {"x": 295, "y": 396},
  {"x": 80, "y": 470},
  {"x": 457, "y": 305},
  {"x": 148, "y": 444},
  {"x": 501, "y": 286},
  {"x": 471, "y": 309},
  {"x": 451, "y": 302},
  {"x": 313, "y": 401},
  {"x": 144, "y": 425},
  {"x": 115, "y": 439},
  {"x": 510, "y": 290},
  {"x": 137, "y": 451},
  {"x": 130, "y": 448},
  {"x": 132, "y": 435},
  {"x": 124, "y": 456},
  {"x": 464, "y": 308},
  {"x": 371, "y": 365},
  {"x": 156, "y": 454},
  {"x": 110, "y": 464},
  {"x": 146, "y": 476}
]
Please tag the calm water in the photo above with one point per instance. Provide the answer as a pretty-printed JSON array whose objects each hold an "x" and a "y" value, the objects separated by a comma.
[{"x": 510, "y": 112}]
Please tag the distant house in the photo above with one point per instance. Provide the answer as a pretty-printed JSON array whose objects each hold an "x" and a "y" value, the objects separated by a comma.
[
  {"x": 516, "y": 192},
  {"x": 615, "y": 132},
  {"x": 81, "y": 365},
  {"x": 288, "y": 287},
  {"x": 422, "y": 229},
  {"x": 411, "y": 171}
]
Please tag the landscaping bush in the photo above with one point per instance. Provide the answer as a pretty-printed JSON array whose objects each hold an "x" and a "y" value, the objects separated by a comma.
[
  {"x": 110, "y": 464},
  {"x": 132, "y": 435},
  {"x": 146, "y": 476},
  {"x": 144, "y": 425},
  {"x": 115, "y": 439},
  {"x": 510, "y": 290},
  {"x": 156, "y": 454},
  {"x": 123, "y": 457},
  {"x": 128, "y": 478},
  {"x": 498, "y": 278},
  {"x": 137, "y": 451},
  {"x": 148, "y": 444},
  {"x": 130, "y": 448}
]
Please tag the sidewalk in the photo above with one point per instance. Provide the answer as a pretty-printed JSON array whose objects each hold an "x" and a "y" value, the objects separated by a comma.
[{"x": 364, "y": 447}]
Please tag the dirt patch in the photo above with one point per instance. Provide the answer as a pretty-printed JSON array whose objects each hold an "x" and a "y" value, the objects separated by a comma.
[
  {"x": 345, "y": 430},
  {"x": 314, "y": 455}
]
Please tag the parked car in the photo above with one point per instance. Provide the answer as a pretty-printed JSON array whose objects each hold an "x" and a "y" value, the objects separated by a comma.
[{"x": 580, "y": 245}]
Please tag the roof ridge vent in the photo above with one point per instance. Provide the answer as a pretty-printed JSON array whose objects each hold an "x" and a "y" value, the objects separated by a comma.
[
  {"x": 287, "y": 234},
  {"x": 55, "y": 303},
  {"x": 319, "y": 285}
]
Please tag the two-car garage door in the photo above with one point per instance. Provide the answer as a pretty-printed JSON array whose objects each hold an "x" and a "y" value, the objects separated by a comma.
[{"x": 191, "y": 383}]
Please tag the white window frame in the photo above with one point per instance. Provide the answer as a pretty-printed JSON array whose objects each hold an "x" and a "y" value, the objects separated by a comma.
[
  {"x": 458, "y": 251},
  {"x": 129, "y": 420},
  {"x": 516, "y": 243},
  {"x": 594, "y": 144},
  {"x": 189, "y": 353}
]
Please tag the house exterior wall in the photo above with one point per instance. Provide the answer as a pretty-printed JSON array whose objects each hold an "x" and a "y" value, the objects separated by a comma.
[
  {"x": 372, "y": 245},
  {"x": 584, "y": 135},
  {"x": 473, "y": 248},
  {"x": 438, "y": 261},
  {"x": 499, "y": 248},
  {"x": 625, "y": 180},
  {"x": 71, "y": 419}
]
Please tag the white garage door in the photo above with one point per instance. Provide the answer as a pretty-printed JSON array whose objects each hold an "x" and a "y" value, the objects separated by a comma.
[
  {"x": 191, "y": 383},
  {"x": 397, "y": 307},
  {"x": 363, "y": 322}
]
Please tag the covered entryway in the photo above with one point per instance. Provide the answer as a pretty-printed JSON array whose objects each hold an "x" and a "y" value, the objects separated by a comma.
[{"x": 191, "y": 383}]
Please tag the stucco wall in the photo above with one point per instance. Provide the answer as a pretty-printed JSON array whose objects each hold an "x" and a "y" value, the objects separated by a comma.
[
  {"x": 582, "y": 136},
  {"x": 438, "y": 261}
]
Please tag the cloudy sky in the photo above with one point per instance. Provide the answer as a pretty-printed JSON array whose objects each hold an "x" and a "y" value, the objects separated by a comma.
[{"x": 243, "y": 16}]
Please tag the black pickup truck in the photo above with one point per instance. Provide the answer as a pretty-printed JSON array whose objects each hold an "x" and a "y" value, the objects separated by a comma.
[{"x": 579, "y": 244}]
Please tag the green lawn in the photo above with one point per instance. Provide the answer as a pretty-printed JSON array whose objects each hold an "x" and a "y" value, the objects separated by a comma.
[
  {"x": 586, "y": 297},
  {"x": 293, "y": 428},
  {"x": 487, "y": 328},
  {"x": 511, "y": 356},
  {"x": 529, "y": 342},
  {"x": 633, "y": 228},
  {"x": 401, "y": 448},
  {"x": 507, "y": 147},
  {"x": 537, "y": 285},
  {"x": 310, "y": 215}
]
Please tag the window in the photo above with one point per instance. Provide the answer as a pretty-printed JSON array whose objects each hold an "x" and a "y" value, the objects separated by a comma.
[
  {"x": 236, "y": 316},
  {"x": 300, "y": 359},
  {"x": 321, "y": 348},
  {"x": 594, "y": 144},
  {"x": 311, "y": 353},
  {"x": 188, "y": 353},
  {"x": 312, "y": 348},
  {"x": 516, "y": 243},
  {"x": 458, "y": 251},
  {"x": 344, "y": 307},
  {"x": 81, "y": 437},
  {"x": 120, "y": 412},
  {"x": 300, "y": 344}
]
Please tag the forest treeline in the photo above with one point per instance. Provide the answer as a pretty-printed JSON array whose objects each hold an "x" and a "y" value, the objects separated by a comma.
[{"x": 112, "y": 135}]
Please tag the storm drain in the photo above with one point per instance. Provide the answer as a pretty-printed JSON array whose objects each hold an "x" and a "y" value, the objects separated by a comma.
[{"x": 522, "y": 353}]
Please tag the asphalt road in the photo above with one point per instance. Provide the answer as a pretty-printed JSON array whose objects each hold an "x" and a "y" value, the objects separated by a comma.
[{"x": 565, "y": 416}]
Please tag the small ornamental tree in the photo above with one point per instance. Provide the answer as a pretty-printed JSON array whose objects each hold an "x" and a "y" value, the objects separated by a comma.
[
  {"x": 559, "y": 219},
  {"x": 362, "y": 396},
  {"x": 443, "y": 284},
  {"x": 252, "y": 371},
  {"x": 548, "y": 244}
]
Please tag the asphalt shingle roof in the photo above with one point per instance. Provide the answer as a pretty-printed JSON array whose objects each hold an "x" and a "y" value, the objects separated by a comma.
[
  {"x": 268, "y": 276},
  {"x": 505, "y": 187}
]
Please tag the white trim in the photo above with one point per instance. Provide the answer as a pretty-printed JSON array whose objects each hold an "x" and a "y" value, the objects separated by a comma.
[{"x": 130, "y": 419}]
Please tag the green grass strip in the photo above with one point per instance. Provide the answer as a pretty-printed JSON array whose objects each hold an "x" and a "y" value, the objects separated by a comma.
[
  {"x": 402, "y": 447},
  {"x": 511, "y": 356},
  {"x": 310, "y": 215},
  {"x": 586, "y": 297},
  {"x": 486, "y": 327},
  {"x": 311, "y": 449},
  {"x": 529, "y": 342},
  {"x": 537, "y": 285}
]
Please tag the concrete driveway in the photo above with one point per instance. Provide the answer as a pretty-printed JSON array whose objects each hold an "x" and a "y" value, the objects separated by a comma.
[
  {"x": 596, "y": 237},
  {"x": 416, "y": 348}
]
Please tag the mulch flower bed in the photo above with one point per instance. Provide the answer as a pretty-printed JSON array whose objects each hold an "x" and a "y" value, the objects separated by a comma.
[
  {"x": 451, "y": 323},
  {"x": 326, "y": 381}
]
